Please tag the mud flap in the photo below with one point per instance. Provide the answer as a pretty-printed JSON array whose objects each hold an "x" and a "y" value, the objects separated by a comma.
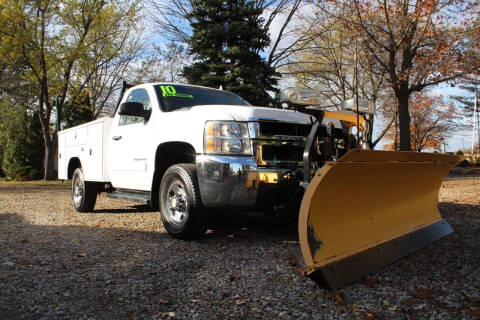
[{"x": 369, "y": 209}]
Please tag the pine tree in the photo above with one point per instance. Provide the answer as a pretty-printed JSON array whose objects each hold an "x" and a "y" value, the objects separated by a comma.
[
  {"x": 472, "y": 86},
  {"x": 23, "y": 150},
  {"x": 471, "y": 82},
  {"x": 77, "y": 112},
  {"x": 226, "y": 43}
]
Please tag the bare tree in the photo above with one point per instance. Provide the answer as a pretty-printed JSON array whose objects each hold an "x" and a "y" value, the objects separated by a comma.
[
  {"x": 415, "y": 44},
  {"x": 54, "y": 40},
  {"x": 159, "y": 64},
  {"x": 326, "y": 63}
]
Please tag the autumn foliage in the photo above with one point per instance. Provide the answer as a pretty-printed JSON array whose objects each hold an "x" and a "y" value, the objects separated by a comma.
[
  {"x": 414, "y": 43},
  {"x": 432, "y": 122}
]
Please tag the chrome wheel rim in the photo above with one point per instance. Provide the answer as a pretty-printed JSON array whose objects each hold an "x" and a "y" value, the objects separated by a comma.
[
  {"x": 77, "y": 192},
  {"x": 176, "y": 203}
]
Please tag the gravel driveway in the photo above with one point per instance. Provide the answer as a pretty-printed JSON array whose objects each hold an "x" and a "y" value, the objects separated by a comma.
[{"x": 118, "y": 262}]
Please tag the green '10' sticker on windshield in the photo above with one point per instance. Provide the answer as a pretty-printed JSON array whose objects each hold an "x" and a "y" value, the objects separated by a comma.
[{"x": 169, "y": 91}]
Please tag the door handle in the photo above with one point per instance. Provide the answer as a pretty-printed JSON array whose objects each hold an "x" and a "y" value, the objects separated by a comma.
[{"x": 117, "y": 137}]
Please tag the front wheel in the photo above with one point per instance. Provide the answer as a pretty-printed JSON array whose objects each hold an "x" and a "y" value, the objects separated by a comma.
[
  {"x": 180, "y": 205},
  {"x": 84, "y": 194}
]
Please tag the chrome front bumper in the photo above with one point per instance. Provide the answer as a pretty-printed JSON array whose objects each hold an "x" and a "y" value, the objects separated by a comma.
[{"x": 237, "y": 181}]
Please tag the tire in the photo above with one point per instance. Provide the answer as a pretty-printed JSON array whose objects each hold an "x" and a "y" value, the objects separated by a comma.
[
  {"x": 84, "y": 194},
  {"x": 180, "y": 205}
]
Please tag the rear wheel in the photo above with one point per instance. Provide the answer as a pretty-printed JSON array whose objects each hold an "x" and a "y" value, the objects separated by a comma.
[
  {"x": 180, "y": 204},
  {"x": 84, "y": 194}
]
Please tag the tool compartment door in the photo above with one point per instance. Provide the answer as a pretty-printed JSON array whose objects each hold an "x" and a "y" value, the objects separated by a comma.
[{"x": 93, "y": 170}]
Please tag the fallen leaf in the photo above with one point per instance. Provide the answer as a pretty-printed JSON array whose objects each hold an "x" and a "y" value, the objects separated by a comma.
[
  {"x": 467, "y": 298},
  {"x": 166, "y": 314},
  {"x": 240, "y": 302},
  {"x": 161, "y": 301},
  {"x": 424, "y": 293},
  {"x": 370, "y": 316},
  {"x": 371, "y": 282},
  {"x": 355, "y": 308},
  {"x": 81, "y": 255},
  {"x": 475, "y": 313},
  {"x": 409, "y": 302},
  {"x": 339, "y": 298},
  {"x": 450, "y": 276}
]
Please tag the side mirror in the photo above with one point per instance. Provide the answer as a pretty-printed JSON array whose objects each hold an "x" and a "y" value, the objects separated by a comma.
[{"x": 133, "y": 109}]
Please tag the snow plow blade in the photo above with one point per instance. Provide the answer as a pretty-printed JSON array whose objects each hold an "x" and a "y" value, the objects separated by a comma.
[{"x": 369, "y": 209}]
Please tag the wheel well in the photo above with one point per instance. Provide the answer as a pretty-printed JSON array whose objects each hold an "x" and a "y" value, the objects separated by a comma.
[
  {"x": 168, "y": 154},
  {"x": 73, "y": 164}
]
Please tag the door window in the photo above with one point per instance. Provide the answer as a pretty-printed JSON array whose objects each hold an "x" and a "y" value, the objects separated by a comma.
[{"x": 137, "y": 95}]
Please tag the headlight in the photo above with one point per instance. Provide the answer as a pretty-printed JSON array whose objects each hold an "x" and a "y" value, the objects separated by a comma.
[{"x": 227, "y": 137}]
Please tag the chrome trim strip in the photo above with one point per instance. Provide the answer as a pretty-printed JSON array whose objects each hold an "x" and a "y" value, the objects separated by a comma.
[
  {"x": 281, "y": 137},
  {"x": 278, "y": 120}
]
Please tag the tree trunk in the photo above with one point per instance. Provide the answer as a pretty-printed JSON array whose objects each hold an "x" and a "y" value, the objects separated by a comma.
[
  {"x": 404, "y": 120},
  {"x": 50, "y": 147},
  {"x": 395, "y": 141},
  {"x": 369, "y": 132},
  {"x": 50, "y": 153}
]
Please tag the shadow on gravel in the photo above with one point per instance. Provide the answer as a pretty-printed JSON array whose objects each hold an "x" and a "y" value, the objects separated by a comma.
[
  {"x": 74, "y": 271},
  {"x": 245, "y": 224},
  {"x": 247, "y": 266},
  {"x": 131, "y": 209},
  {"x": 459, "y": 210}
]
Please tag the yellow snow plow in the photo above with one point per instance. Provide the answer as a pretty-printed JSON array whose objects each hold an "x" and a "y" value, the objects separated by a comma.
[
  {"x": 362, "y": 209},
  {"x": 369, "y": 209}
]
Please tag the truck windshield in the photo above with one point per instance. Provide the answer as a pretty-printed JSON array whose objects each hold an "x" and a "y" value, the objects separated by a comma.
[{"x": 174, "y": 96}]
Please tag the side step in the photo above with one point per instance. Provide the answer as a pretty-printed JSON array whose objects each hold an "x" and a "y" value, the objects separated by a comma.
[{"x": 131, "y": 195}]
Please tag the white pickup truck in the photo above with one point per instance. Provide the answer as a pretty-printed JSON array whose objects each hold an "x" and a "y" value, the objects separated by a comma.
[{"x": 183, "y": 148}]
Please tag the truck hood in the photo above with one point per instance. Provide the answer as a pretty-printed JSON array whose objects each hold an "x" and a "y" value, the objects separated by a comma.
[{"x": 248, "y": 113}]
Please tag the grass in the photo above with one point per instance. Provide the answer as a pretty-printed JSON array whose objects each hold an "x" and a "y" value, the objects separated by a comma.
[{"x": 34, "y": 183}]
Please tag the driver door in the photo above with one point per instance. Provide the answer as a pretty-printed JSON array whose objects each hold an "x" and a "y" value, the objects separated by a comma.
[{"x": 129, "y": 139}]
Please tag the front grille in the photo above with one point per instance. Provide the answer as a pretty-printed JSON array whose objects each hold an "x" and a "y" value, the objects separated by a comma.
[
  {"x": 280, "y": 143},
  {"x": 274, "y": 153},
  {"x": 273, "y": 128}
]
